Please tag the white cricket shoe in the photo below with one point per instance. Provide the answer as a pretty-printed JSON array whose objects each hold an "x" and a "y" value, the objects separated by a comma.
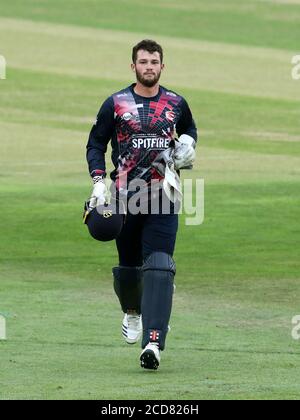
[
  {"x": 150, "y": 356},
  {"x": 132, "y": 328}
]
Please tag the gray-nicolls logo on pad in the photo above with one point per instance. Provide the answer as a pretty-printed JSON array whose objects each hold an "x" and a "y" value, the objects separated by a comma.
[{"x": 2, "y": 68}]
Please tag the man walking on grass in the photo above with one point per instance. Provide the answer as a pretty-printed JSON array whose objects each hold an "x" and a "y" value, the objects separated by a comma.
[{"x": 142, "y": 122}]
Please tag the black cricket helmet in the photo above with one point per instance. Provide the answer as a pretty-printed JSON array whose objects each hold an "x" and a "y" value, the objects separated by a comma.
[{"x": 105, "y": 222}]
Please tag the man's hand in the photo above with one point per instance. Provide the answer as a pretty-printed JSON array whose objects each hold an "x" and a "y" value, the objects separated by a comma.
[
  {"x": 98, "y": 196},
  {"x": 185, "y": 154}
]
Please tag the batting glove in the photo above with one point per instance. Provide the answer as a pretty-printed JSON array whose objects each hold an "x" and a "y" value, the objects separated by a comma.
[
  {"x": 98, "y": 196},
  {"x": 185, "y": 154}
]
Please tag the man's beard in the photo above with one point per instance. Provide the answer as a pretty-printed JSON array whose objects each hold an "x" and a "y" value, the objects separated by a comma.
[{"x": 147, "y": 82}]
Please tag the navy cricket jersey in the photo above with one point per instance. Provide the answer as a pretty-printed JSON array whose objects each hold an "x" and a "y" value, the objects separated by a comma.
[{"x": 139, "y": 129}]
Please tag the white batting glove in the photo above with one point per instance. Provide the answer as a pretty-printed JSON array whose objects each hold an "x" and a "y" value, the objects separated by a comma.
[
  {"x": 185, "y": 154},
  {"x": 98, "y": 196}
]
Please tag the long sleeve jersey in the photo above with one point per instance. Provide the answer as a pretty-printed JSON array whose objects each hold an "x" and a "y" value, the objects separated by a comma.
[{"x": 139, "y": 128}]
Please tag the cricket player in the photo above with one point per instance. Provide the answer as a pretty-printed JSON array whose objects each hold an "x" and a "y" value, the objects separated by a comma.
[{"x": 142, "y": 121}]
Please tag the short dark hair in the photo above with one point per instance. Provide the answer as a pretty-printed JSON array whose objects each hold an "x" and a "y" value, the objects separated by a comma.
[{"x": 147, "y": 45}]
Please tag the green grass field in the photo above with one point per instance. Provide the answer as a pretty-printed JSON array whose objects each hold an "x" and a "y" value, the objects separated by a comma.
[{"x": 238, "y": 281}]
